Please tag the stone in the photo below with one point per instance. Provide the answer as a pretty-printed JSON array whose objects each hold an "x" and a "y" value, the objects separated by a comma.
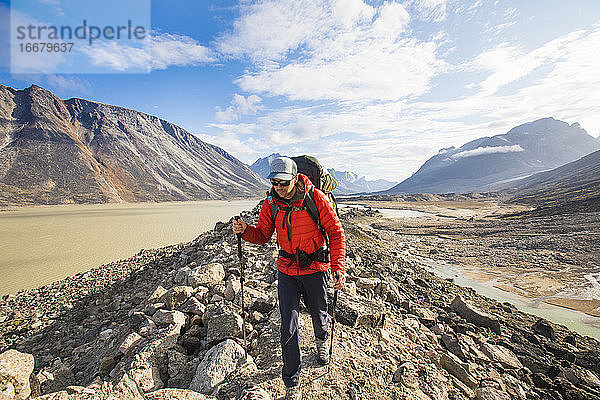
[
  {"x": 451, "y": 343},
  {"x": 358, "y": 311},
  {"x": 407, "y": 374},
  {"x": 192, "y": 306},
  {"x": 459, "y": 369},
  {"x": 542, "y": 327},
  {"x": 207, "y": 275},
  {"x": 217, "y": 364},
  {"x": 502, "y": 355},
  {"x": 259, "y": 301},
  {"x": 257, "y": 317},
  {"x": 176, "y": 394},
  {"x": 178, "y": 295},
  {"x": 367, "y": 283},
  {"x": 182, "y": 274},
  {"x": 349, "y": 288},
  {"x": 132, "y": 340},
  {"x": 253, "y": 393},
  {"x": 180, "y": 372},
  {"x": 127, "y": 389},
  {"x": 223, "y": 326},
  {"x": 15, "y": 372},
  {"x": 105, "y": 334},
  {"x": 474, "y": 315},
  {"x": 164, "y": 317},
  {"x": 158, "y": 296},
  {"x": 489, "y": 393},
  {"x": 107, "y": 364},
  {"x": 55, "y": 377},
  {"x": 232, "y": 288}
]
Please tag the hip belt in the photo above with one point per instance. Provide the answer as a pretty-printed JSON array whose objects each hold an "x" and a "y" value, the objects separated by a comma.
[{"x": 305, "y": 259}]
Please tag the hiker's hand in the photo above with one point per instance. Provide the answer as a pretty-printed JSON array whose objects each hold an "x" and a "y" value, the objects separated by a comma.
[
  {"x": 339, "y": 278},
  {"x": 239, "y": 226}
]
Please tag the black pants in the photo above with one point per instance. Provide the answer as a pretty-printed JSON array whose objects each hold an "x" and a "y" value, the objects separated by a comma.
[{"x": 313, "y": 289}]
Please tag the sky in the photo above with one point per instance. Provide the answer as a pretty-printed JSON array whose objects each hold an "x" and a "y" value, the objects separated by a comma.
[{"x": 372, "y": 87}]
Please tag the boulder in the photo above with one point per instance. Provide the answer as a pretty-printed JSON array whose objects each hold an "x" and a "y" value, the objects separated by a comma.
[
  {"x": 15, "y": 373},
  {"x": 253, "y": 393},
  {"x": 129, "y": 343},
  {"x": 474, "y": 315},
  {"x": 126, "y": 389},
  {"x": 158, "y": 296},
  {"x": 232, "y": 288},
  {"x": 207, "y": 275},
  {"x": 193, "y": 306},
  {"x": 223, "y": 326},
  {"x": 542, "y": 327},
  {"x": 176, "y": 394},
  {"x": 217, "y": 364},
  {"x": 178, "y": 295},
  {"x": 489, "y": 393},
  {"x": 259, "y": 301},
  {"x": 164, "y": 317},
  {"x": 459, "y": 369},
  {"x": 367, "y": 283},
  {"x": 501, "y": 355},
  {"x": 358, "y": 311}
]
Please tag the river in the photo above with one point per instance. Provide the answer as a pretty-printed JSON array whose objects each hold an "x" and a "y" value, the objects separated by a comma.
[{"x": 39, "y": 245}]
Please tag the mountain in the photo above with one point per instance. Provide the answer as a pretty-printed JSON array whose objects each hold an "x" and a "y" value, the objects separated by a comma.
[
  {"x": 483, "y": 163},
  {"x": 262, "y": 166},
  {"x": 79, "y": 151},
  {"x": 571, "y": 187},
  {"x": 348, "y": 182}
]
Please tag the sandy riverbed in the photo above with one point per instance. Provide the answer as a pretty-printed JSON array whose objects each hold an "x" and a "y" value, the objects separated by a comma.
[{"x": 546, "y": 258}]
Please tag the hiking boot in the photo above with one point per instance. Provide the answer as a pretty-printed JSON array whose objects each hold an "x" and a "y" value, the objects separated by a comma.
[
  {"x": 322, "y": 351},
  {"x": 293, "y": 393}
]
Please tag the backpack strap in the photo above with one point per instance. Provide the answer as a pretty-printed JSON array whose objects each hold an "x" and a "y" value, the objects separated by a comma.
[{"x": 313, "y": 211}]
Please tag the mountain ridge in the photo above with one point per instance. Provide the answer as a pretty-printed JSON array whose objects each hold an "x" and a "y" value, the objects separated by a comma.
[
  {"x": 57, "y": 151},
  {"x": 481, "y": 163}
]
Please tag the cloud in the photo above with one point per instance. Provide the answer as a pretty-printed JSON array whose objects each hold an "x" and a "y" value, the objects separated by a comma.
[
  {"x": 433, "y": 10},
  {"x": 488, "y": 150},
  {"x": 323, "y": 50},
  {"x": 239, "y": 107},
  {"x": 61, "y": 83},
  {"x": 344, "y": 99},
  {"x": 161, "y": 51}
]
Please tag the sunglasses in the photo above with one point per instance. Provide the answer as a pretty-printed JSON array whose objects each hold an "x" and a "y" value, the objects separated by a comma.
[{"x": 277, "y": 182}]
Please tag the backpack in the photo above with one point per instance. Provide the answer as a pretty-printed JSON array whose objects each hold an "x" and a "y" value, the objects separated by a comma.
[{"x": 322, "y": 180}]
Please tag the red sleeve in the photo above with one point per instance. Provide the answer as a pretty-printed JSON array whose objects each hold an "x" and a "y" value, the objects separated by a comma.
[
  {"x": 263, "y": 231},
  {"x": 333, "y": 227}
]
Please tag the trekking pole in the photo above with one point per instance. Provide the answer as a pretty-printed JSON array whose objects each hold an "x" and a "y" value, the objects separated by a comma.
[
  {"x": 241, "y": 257},
  {"x": 335, "y": 296}
]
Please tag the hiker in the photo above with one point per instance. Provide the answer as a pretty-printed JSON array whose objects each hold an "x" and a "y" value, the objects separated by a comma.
[{"x": 303, "y": 260}]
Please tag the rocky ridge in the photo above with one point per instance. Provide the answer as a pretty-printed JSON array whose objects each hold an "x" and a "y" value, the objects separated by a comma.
[
  {"x": 55, "y": 151},
  {"x": 166, "y": 323}
]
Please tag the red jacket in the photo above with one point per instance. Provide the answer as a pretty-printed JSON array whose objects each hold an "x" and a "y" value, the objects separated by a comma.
[{"x": 305, "y": 235}]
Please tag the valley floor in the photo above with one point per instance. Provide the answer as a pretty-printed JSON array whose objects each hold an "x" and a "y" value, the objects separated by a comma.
[{"x": 554, "y": 258}]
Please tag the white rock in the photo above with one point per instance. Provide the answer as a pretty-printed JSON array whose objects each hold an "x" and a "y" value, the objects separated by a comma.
[
  {"x": 216, "y": 365},
  {"x": 129, "y": 343},
  {"x": 15, "y": 371}
]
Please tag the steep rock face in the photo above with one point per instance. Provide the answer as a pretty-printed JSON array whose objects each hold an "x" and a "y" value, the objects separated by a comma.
[
  {"x": 78, "y": 151},
  {"x": 482, "y": 164}
]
